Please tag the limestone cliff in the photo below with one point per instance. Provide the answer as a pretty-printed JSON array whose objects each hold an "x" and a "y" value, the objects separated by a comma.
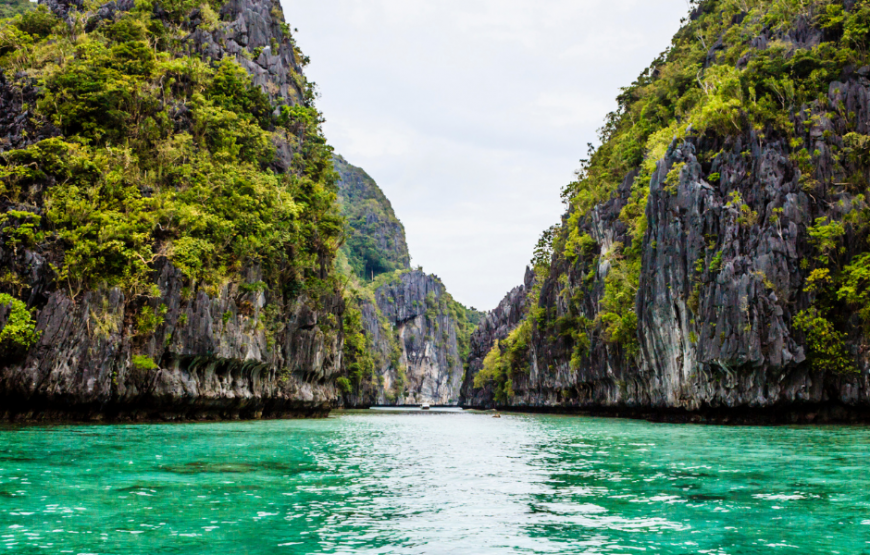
[
  {"x": 418, "y": 336},
  {"x": 494, "y": 326},
  {"x": 725, "y": 276},
  {"x": 237, "y": 343}
]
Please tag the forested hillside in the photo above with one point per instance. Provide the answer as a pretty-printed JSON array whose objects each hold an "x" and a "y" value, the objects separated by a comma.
[
  {"x": 375, "y": 242},
  {"x": 11, "y": 8},
  {"x": 714, "y": 256}
]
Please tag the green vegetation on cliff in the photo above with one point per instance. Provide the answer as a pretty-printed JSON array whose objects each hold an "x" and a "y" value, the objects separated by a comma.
[
  {"x": 375, "y": 238},
  {"x": 375, "y": 263},
  {"x": 161, "y": 155},
  {"x": 11, "y": 8},
  {"x": 18, "y": 333},
  {"x": 736, "y": 68},
  {"x": 506, "y": 359},
  {"x": 392, "y": 329}
]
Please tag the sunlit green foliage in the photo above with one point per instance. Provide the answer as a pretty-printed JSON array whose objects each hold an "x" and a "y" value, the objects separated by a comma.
[
  {"x": 691, "y": 90},
  {"x": 19, "y": 332},
  {"x": 164, "y": 155},
  {"x": 343, "y": 384},
  {"x": 504, "y": 361},
  {"x": 358, "y": 357},
  {"x": 827, "y": 346},
  {"x": 836, "y": 290},
  {"x": 22, "y": 229},
  {"x": 826, "y": 237},
  {"x": 578, "y": 244},
  {"x": 617, "y": 317},
  {"x": 143, "y": 362},
  {"x": 149, "y": 319},
  {"x": 855, "y": 287}
]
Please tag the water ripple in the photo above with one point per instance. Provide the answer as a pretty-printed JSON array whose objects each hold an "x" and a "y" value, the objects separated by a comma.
[{"x": 431, "y": 483}]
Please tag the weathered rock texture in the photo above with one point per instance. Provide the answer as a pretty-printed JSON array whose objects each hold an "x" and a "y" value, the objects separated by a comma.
[
  {"x": 232, "y": 352},
  {"x": 495, "y": 326},
  {"x": 716, "y": 339},
  {"x": 254, "y": 36},
  {"x": 375, "y": 237},
  {"x": 415, "y": 335},
  {"x": 17, "y": 127},
  {"x": 232, "y": 355}
]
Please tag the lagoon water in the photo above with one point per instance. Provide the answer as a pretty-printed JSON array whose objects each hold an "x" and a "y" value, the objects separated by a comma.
[{"x": 440, "y": 482}]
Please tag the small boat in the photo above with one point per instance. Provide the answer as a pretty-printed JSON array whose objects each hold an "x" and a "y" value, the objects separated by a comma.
[{"x": 424, "y": 406}]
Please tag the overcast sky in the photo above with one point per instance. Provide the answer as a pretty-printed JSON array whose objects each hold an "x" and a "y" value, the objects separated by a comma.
[{"x": 472, "y": 114}]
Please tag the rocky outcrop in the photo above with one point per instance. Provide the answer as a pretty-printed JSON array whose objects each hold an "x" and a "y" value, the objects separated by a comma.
[
  {"x": 107, "y": 12},
  {"x": 719, "y": 343},
  {"x": 238, "y": 354},
  {"x": 375, "y": 237},
  {"x": 18, "y": 126},
  {"x": 417, "y": 334},
  {"x": 254, "y": 33},
  {"x": 413, "y": 327},
  {"x": 726, "y": 258},
  {"x": 495, "y": 326},
  {"x": 182, "y": 351},
  {"x": 729, "y": 350},
  {"x": 63, "y": 7}
]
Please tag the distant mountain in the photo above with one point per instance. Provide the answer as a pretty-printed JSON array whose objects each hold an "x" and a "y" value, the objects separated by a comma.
[
  {"x": 407, "y": 338},
  {"x": 375, "y": 241}
]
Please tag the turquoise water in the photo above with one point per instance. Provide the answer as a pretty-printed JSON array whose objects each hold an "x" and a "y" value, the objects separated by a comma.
[{"x": 440, "y": 482}]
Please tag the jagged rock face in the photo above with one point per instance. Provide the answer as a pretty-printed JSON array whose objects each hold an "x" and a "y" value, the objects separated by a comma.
[
  {"x": 715, "y": 338},
  {"x": 221, "y": 357},
  {"x": 62, "y": 7},
  {"x": 375, "y": 237},
  {"x": 254, "y": 27},
  {"x": 496, "y": 326},
  {"x": 739, "y": 347},
  {"x": 252, "y": 34},
  {"x": 227, "y": 352},
  {"x": 411, "y": 315},
  {"x": 740, "y": 351},
  {"x": 17, "y": 128}
]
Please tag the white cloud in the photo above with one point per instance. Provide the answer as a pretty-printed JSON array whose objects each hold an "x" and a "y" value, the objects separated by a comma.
[
  {"x": 570, "y": 109},
  {"x": 472, "y": 114},
  {"x": 369, "y": 141}
]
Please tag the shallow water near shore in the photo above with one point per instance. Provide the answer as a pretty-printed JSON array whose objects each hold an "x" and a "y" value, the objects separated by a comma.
[{"x": 438, "y": 482}]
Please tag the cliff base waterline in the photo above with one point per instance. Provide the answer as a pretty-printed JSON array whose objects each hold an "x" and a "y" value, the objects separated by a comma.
[
  {"x": 827, "y": 413},
  {"x": 113, "y": 414}
]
